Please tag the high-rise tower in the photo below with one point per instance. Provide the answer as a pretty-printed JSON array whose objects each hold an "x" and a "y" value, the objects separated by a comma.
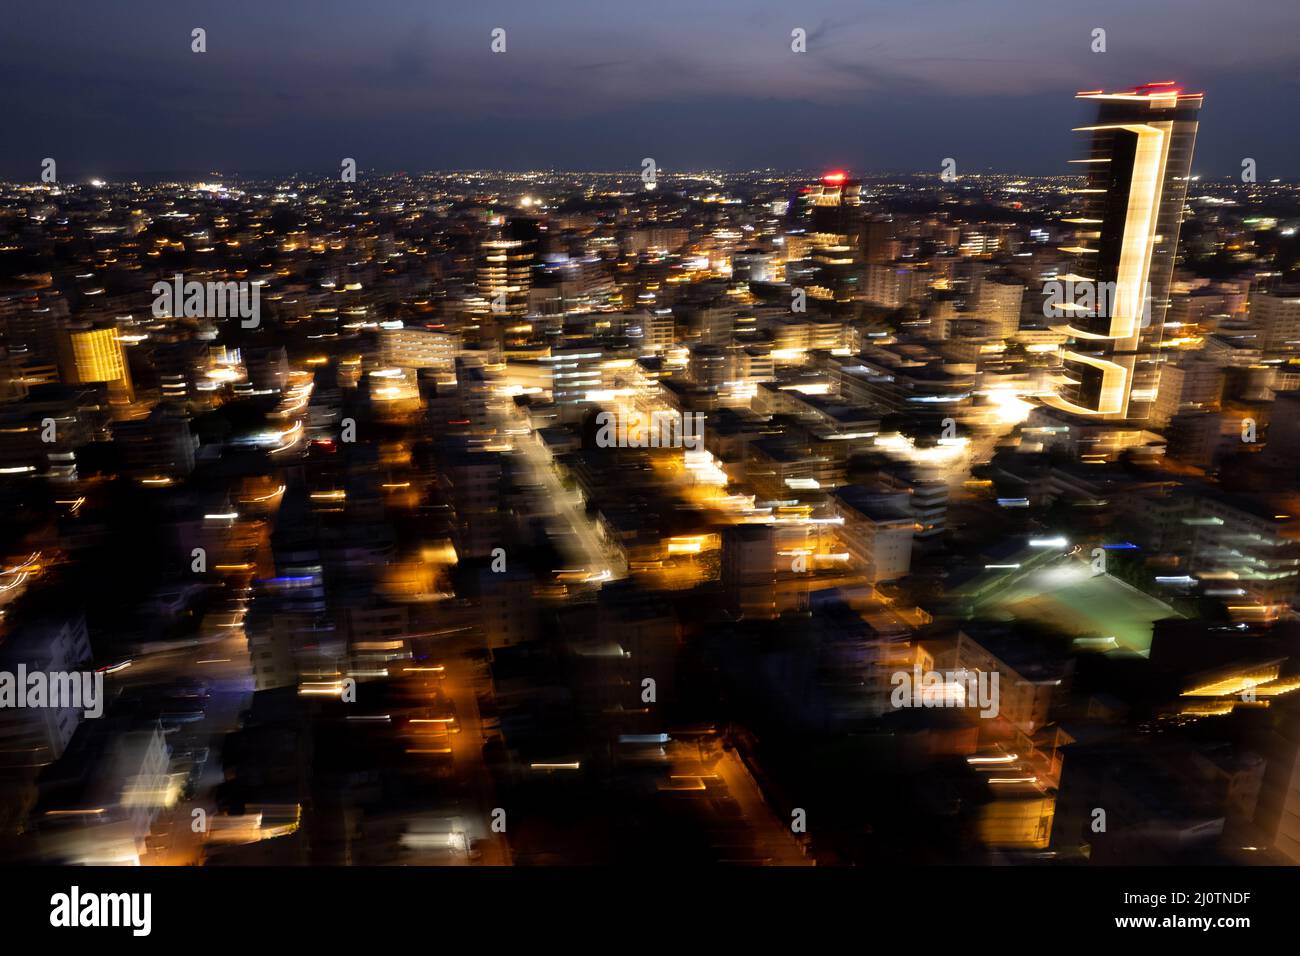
[
  {"x": 835, "y": 206},
  {"x": 1127, "y": 240}
]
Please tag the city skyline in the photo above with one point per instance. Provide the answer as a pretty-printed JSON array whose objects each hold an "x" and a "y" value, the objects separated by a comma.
[{"x": 545, "y": 440}]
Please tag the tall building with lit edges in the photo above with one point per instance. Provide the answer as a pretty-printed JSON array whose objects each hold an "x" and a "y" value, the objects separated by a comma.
[{"x": 1125, "y": 246}]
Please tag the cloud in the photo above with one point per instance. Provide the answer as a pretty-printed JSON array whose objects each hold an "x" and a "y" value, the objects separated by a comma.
[{"x": 290, "y": 77}]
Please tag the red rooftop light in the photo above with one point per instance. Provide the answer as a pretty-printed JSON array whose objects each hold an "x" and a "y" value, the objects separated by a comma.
[{"x": 1158, "y": 88}]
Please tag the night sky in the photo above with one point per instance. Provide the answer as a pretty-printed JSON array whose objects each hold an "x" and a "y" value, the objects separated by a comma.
[{"x": 110, "y": 89}]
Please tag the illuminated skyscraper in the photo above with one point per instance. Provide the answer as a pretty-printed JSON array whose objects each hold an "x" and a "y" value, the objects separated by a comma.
[
  {"x": 1125, "y": 248},
  {"x": 505, "y": 264},
  {"x": 835, "y": 207}
]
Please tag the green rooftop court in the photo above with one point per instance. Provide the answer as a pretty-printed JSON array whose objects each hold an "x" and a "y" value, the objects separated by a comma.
[{"x": 1065, "y": 595}]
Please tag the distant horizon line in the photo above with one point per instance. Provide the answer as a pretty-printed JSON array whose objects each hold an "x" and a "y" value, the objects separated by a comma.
[{"x": 185, "y": 177}]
